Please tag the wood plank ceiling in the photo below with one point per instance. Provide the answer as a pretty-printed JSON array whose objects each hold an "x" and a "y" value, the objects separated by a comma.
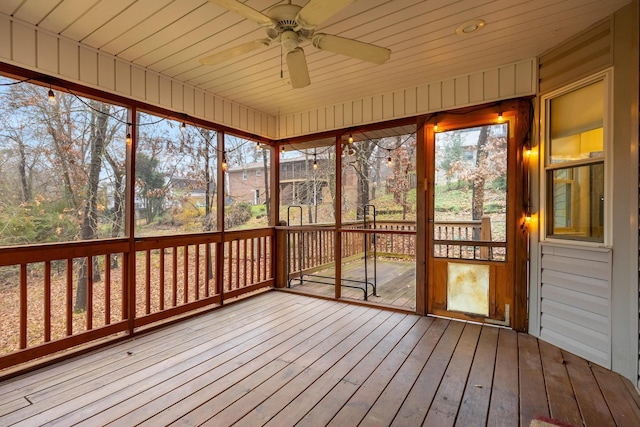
[{"x": 169, "y": 36}]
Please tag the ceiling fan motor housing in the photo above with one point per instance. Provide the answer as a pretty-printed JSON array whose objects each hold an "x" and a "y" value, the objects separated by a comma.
[{"x": 285, "y": 17}]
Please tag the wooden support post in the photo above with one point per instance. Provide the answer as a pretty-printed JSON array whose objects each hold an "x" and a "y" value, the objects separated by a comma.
[{"x": 485, "y": 236}]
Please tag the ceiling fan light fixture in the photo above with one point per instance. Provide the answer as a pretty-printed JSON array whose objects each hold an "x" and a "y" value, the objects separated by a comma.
[{"x": 470, "y": 27}]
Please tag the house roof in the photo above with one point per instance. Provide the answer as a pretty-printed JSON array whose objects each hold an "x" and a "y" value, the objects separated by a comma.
[{"x": 169, "y": 37}]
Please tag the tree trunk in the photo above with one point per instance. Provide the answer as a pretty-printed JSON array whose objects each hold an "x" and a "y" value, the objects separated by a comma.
[
  {"x": 209, "y": 198},
  {"x": 26, "y": 188},
  {"x": 89, "y": 230},
  {"x": 477, "y": 198},
  {"x": 364, "y": 150}
]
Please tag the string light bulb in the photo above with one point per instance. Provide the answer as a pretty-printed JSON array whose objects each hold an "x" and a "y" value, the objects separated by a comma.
[
  {"x": 52, "y": 97},
  {"x": 128, "y": 138},
  {"x": 282, "y": 149},
  {"x": 224, "y": 162},
  {"x": 500, "y": 118},
  {"x": 389, "y": 161},
  {"x": 350, "y": 140},
  {"x": 315, "y": 163},
  {"x": 183, "y": 128},
  {"x": 435, "y": 127}
]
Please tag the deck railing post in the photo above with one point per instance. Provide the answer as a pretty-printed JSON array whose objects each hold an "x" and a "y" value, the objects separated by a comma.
[
  {"x": 281, "y": 258},
  {"x": 485, "y": 235}
]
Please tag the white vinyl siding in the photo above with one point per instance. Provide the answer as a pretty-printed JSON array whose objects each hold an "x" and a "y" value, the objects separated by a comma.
[{"x": 575, "y": 300}]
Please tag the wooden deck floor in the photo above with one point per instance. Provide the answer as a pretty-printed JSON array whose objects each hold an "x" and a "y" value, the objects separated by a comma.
[
  {"x": 283, "y": 359},
  {"x": 396, "y": 282}
]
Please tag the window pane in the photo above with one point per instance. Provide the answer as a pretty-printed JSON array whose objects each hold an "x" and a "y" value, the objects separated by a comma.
[
  {"x": 471, "y": 192},
  {"x": 307, "y": 193},
  {"x": 247, "y": 194},
  {"x": 175, "y": 177},
  {"x": 576, "y": 198},
  {"x": 576, "y": 124},
  {"x": 62, "y": 166},
  {"x": 379, "y": 174}
]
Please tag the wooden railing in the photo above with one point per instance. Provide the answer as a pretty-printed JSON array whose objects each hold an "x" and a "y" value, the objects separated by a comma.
[
  {"x": 171, "y": 275},
  {"x": 470, "y": 240},
  {"x": 311, "y": 247}
]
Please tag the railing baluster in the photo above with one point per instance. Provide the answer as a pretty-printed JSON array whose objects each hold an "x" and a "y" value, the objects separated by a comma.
[
  {"x": 207, "y": 268},
  {"x": 244, "y": 260},
  {"x": 89, "y": 293},
  {"x": 147, "y": 282},
  {"x": 174, "y": 282},
  {"x": 185, "y": 274},
  {"x": 23, "y": 306},
  {"x": 162, "y": 278},
  {"x": 237, "y": 257},
  {"x": 47, "y": 301},
  {"x": 197, "y": 271},
  {"x": 107, "y": 289},
  {"x": 69, "y": 296}
]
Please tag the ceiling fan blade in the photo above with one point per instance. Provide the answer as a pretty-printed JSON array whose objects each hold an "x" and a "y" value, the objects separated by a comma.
[
  {"x": 298, "y": 71},
  {"x": 230, "y": 53},
  {"x": 353, "y": 48},
  {"x": 317, "y": 11},
  {"x": 245, "y": 11}
]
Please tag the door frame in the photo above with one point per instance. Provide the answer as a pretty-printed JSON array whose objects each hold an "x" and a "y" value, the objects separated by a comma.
[{"x": 518, "y": 113}]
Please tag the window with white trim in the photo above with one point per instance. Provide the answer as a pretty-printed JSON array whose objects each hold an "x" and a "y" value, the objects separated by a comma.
[{"x": 575, "y": 161}]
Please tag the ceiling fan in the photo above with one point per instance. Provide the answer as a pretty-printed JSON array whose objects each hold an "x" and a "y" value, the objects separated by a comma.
[{"x": 291, "y": 25}]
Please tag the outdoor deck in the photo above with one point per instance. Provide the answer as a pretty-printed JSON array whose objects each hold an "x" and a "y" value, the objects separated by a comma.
[
  {"x": 396, "y": 282},
  {"x": 281, "y": 359}
]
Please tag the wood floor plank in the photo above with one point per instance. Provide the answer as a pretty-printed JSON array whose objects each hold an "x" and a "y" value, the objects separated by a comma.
[
  {"x": 9, "y": 406},
  {"x": 474, "y": 407},
  {"x": 503, "y": 406},
  {"x": 244, "y": 402},
  {"x": 136, "y": 397},
  {"x": 115, "y": 355},
  {"x": 174, "y": 400},
  {"x": 360, "y": 403},
  {"x": 344, "y": 351},
  {"x": 415, "y": 407},
  {"x": 225, "y": 391},
  {"x": 395, "y": 282},
  {"x": 562, "y": 401},
  {"x": 138, "y": 359},
  {"x": 305, "y": 401},
  {"x": 286, "y": 359},
  {"x": 593, "y": 406},
  {"x": 189, "y": 353},
  {"x": 387, "y": 405},
  {"x": 533, "y": 398},
  {"x": 623, "y": 407},
  {"x": 446, "y": 402},
  {"x": 333, "y": 401}
]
